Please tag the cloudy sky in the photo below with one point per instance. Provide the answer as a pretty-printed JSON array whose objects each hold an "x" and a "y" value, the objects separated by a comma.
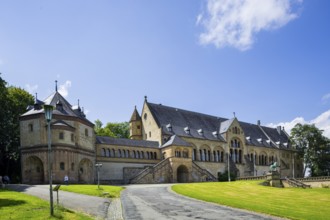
[{"x": 264, "y": 60}]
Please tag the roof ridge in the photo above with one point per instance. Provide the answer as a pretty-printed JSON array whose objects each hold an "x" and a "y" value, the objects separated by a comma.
[{"x": 174, "y": 108}]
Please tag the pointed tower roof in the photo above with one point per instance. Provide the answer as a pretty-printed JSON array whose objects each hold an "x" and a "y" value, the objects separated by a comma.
[
  {"x": 61, "y": 107},
  {"x": 135, "y": 116}
]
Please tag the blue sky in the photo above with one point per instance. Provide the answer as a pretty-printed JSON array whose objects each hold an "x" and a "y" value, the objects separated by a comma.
[{"x": 265, "y": 60}]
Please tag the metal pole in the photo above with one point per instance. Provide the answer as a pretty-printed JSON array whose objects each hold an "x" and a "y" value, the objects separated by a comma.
[
  {"x": 98, "y": 177},
  {"x": 293, "y": 166},
  {"x": 50, "y": 171},
  {"x": 228, "y": 164},
  {"x": 254, "y": 164}
]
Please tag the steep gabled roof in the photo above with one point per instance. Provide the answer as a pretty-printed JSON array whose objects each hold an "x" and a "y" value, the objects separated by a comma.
[
  {"x": 181, "y": 119},
  {"x": 224, "y": 126},
  {"x": 177, "y": 141},
  {"x": 183, "y": 123}
]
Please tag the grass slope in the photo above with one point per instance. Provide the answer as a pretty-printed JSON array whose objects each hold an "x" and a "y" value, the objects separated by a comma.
[
  {"x": 92, "y": 190},
  {"x": 15, "y": 205},
  {"x": 293, "y": 203}
]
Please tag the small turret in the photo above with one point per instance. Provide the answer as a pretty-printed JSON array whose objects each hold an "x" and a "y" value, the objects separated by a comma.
[{"x": 135, "y": 125}]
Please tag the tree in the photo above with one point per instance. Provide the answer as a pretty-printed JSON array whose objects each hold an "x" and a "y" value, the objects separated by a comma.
[
  {"x": 13, "y": 102},
  {"x": 118, "y": 130},
  {"x": 312, "y": 147}
]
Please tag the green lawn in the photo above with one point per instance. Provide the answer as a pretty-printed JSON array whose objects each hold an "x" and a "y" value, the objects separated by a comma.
[
  {"x": 292, "y": 203},
  {"x": 92, "y": 190},
  {"x": 15, "y": 205}
]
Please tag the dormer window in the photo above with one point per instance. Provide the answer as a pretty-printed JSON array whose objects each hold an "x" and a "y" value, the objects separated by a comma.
[
  {"x": 187, "y": 130},
  {"x": 200, "y": 131},
  {"x": 259, "y": 140},
  {"x": 215, "y": 133},
  {"x": 169, "y": 127},
  {"x": 248, "y": 138}
]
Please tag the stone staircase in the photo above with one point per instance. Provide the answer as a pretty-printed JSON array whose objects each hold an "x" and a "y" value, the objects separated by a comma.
[
  {"x": 249, "y": 166},
  {"x": 203, "y": 174},
  {"x": 159, "y": 173},
  {"x": 296, "y": 183}
]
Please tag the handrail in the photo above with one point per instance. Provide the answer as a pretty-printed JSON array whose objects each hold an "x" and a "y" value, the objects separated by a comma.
[
  {"x": 204, "y": 171},
  {"x": 148, "y": 170}
]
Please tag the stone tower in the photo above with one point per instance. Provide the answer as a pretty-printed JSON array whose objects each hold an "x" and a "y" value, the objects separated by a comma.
[
  {"x": 135, "y": 125},
  {"x": 72, "y": 143}
]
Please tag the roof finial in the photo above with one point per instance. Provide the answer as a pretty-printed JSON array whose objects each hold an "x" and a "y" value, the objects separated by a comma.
[
  {"x": 145, "y": 98},
  {"x": 36, "y": 96},
  {"x": 56, "y": 85},
  {"x": 135, "y": 107},
  {"x": 234, "y": 114},
  {"x": 78, "y": 103}
]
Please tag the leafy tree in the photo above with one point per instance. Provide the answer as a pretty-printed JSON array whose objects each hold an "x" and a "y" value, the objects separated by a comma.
[
  {"x": 13, "y": 102},
  {"x": 312, "y": 147},
  {"x": 118, "y": 130}
]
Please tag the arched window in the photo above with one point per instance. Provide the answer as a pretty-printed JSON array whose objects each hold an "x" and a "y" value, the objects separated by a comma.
[
  {"x": 124, "y": 153},
  {"x": 142, "y": 154},
  {"x": 138, "y": 154},
  {"x": 109, "y": 152},
  {"x": 103, "y": 152},
  {"x": 148, "y": 155},
  {"x": 119, "y": 153},
  {"x": 155, "y": 155},
  {"x": 113, "y": 152},
  {"x": 134, "y": 154},
  {"x": 127, "y": 153}
]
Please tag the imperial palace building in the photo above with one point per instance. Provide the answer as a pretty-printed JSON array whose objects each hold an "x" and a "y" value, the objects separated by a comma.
[{"x": 166, "y": 145}]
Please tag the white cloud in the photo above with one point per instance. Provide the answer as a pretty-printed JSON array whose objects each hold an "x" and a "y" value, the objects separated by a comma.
[
  {"x": 235, "y": 22},
  {"x": 325, "y": 98},
  {"x": 31, "y": 88},
  {"x": 322, "y": 122},
  {"x": 64, "y": 88}
]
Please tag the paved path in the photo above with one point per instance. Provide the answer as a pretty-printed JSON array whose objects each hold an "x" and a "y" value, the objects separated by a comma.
[
  {"x": 98, "y": 207},
  {"x": 158, "y": 202}
]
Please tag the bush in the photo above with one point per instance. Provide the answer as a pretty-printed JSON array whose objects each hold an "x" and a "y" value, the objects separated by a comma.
[{"x": 223, "y": 177}]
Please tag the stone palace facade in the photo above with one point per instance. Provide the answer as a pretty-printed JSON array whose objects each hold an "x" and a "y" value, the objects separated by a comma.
[{"x": 167, "y": 145}]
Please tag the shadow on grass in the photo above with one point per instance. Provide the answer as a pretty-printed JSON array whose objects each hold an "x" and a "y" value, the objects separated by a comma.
[{"x": 10, "y": 202}]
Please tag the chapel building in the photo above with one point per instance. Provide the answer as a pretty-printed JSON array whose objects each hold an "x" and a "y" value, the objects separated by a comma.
[{"x": 166, "y": 145}]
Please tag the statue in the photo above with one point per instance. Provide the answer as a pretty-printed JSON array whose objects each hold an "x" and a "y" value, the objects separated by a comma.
[{"x": 273, "y": 167}]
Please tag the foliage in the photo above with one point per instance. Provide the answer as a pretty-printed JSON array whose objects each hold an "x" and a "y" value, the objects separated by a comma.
[
  {"x": 92, "y": 190},
  {"x": 291, "y": 203},
  {"x": 15, "y": 205},
  {"x": 312, "y": 147},
  {"x": 13, "y": 102},
  {"x": 223, "y": 177},
  {"x": 118, "y": 130}
]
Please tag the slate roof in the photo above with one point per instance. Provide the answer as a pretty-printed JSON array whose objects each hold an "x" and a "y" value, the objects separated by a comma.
[
  {"x": 126, "y": 142},
  {"x": 174, "y": 121},
  {"x": 177, "y": 141},
  {"x": 61, "y": 107},
  {"x": 181, "y": 119}
]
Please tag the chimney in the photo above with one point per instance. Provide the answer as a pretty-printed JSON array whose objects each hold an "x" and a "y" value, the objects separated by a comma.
[{"x": 279, "y": 129}]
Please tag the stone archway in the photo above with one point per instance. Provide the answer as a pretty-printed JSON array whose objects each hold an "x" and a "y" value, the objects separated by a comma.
[
  {"x": 85, "y": 171},
  {"x": 182, "y": 174},
  {"x": 33, "y": 170}
]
